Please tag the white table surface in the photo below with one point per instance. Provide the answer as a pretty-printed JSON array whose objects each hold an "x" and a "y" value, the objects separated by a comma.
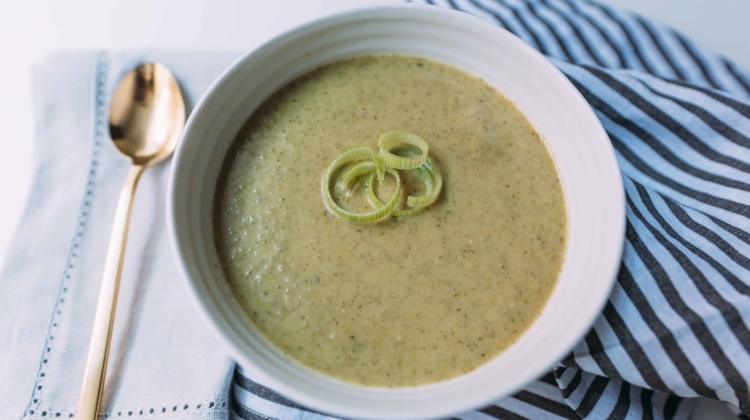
[{"x": 31, "y": 30}]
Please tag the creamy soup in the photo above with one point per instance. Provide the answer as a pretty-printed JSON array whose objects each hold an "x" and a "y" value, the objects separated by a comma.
[{"x": 405, "y": 301}]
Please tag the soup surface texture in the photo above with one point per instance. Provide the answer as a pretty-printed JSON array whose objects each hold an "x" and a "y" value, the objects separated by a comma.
[{"x": 406, "y": 301}]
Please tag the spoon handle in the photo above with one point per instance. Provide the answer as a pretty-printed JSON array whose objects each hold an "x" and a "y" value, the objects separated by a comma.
[{"x": 96, "y": 363}]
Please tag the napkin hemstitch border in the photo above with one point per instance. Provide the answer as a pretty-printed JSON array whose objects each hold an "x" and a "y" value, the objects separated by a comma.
[{"x": 102, "y": 66}]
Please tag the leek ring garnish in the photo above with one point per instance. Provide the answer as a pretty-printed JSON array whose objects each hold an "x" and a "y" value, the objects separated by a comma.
[
  {"x": 393, "y": 139},
  {"x": 366, "y": 166},
  {"x": 352, "y": 155},
  {"x": 431, "y": 170},
  {"x": 426, "y": 175},
  {"x": 355, "y": 174}
]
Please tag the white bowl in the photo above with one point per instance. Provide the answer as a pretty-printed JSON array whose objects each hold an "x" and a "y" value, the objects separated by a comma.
[{"x": 580, "y": 148}]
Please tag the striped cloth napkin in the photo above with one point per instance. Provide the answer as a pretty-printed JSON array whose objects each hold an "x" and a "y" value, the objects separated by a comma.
[{"x": 678, "y": 322}]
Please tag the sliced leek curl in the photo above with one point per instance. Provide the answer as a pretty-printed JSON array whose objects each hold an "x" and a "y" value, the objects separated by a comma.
[
  {"x": 393, "y": 139},
  {"x": 429, "y": 173},
  {"x": 371, "y": 165},
  {"x": 352, "y": 155}
]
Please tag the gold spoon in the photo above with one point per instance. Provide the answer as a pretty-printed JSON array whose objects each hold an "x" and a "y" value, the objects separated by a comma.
[{"x": 145, "y": 121}]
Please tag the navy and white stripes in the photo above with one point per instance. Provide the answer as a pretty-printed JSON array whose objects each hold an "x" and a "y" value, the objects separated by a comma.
[{"x": 677, "y": 324}]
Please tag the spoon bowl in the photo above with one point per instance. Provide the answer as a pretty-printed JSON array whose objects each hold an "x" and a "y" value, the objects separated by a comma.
[{"x": 147, "y": 114}]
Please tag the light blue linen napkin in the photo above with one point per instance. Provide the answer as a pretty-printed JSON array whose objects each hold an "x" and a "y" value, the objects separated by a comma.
[{"x": 164, "y": 362}]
